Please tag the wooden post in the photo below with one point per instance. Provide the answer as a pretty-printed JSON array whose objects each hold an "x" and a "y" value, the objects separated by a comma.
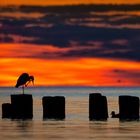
[
  {"x": 53, "y": 107},
  {"x": 22, "y": 106},
  {"x": 6, "y": 110},
  {"x": 98, "y": 109},
  {"x": 129, "y": 107}
]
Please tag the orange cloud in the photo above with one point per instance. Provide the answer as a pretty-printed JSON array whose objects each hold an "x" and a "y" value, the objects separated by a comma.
[
  {"x": 64, "y": 2},
  {"x": 84, "y": 72},
  {"x": 19, "y": 58}
]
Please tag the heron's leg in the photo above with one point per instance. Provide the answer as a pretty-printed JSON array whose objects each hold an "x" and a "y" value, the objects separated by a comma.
[{"x": 23, "y": 89}]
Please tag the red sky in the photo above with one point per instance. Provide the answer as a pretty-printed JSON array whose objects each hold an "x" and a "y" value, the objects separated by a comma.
[
  {"x": 64, "y": 2},
  {"x": 50, "y": 72},
  {"x": 50, "y": 68}
]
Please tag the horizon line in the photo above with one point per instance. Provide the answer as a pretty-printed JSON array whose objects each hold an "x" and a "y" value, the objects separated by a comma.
[
  {"x": 62, "y": 5},
  {"x": 75, "y": 86}
]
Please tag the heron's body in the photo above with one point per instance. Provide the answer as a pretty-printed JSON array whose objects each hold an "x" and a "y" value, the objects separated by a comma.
[{"x": 23, "y": 80}]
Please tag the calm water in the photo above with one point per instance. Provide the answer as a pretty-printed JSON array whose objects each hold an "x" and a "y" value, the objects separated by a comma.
[{"x": 76, "y": 126}]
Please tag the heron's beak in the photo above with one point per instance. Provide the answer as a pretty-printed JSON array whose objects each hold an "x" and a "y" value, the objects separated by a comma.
[
  {"x": 27, "y": 83},
  {"x": 32, "y": 81}
]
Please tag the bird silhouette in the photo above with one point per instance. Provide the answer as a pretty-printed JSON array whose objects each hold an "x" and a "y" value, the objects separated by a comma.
[
  {"x": 23, "y": 80},
  {"x": 114, "y": 115}
]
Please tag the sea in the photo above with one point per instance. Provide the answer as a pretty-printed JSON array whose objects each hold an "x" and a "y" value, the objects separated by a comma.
[{"x": 76, "y": 125}]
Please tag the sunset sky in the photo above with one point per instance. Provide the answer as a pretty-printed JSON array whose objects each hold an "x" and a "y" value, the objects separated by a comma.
[
  {"x": 70, "y": 46},
  {"x": 65, "y": 2}
]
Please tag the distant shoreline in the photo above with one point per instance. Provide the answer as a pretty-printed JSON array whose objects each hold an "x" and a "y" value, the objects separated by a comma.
[{"x": 75, "y": 87}]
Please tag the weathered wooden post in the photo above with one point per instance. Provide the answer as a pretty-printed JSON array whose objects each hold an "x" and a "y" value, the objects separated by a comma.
[
  {"x": 6, "y": 110},
  {"x": 22, "y": 106},
  {"x": 98, "y": 109},
  {"x": 53, "y": 107},
  {"x": 128, "y": 107}
]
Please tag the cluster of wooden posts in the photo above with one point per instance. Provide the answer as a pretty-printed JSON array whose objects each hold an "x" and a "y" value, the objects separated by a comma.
[{"x": 21, "y": 107}]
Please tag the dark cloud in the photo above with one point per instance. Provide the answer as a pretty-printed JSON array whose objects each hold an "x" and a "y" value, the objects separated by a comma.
[
  {"x": 112, "y": 53},
  {"x": 59, "y": 26},
  {"x": 6, "y": 39}
]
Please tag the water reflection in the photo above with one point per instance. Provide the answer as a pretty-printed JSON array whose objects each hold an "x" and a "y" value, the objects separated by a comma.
[
  {"x": 23, "y": 125},
  {"x": 114, "y": 129},
  {"x": 76, "y": 126}
]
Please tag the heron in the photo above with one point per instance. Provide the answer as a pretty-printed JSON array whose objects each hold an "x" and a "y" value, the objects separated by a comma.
[{"x": 23, "y": 80}]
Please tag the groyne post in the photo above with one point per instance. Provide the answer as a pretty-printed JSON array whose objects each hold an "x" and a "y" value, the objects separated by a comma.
[
  {"x": 129, "y": 107},
  {"x": 22, "y": 106},
  {"x": 53, "y": 107},
  {"x": 6, "y": 110},
  {"x": 98, "y": 109}
]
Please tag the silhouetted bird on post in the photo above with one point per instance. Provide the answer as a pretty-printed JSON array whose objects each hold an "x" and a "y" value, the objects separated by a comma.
[{"x": 23, "y": 80}]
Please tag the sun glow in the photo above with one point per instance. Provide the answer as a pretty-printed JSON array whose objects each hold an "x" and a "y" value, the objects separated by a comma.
[
  {"x": 65, "y": 2},
  {"x": 58, "y": 55},
  {"x": 86, "y": 72}
]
